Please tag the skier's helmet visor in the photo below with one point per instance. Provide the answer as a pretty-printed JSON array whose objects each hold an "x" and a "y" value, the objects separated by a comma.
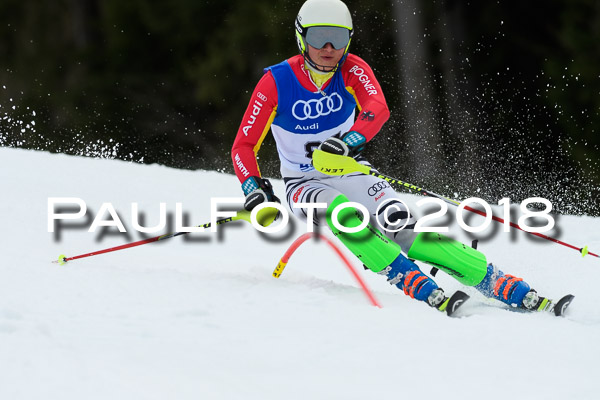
[{"x": 319, "y": 36}]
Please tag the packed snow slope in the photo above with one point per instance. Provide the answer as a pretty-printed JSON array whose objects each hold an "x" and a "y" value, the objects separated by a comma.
[{"x": 200, "y": 316}]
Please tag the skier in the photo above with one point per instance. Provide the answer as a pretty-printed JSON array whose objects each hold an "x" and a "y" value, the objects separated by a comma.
[{"x": 309, "y": 101}]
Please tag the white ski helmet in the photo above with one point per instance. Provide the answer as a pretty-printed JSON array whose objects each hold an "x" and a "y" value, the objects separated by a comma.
[{"x": 320, "y": 22}]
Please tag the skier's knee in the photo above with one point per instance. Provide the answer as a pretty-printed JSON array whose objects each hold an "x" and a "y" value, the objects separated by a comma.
[
  {"x": 374, "y": 249},
  {"x": 394, "y": 215}
]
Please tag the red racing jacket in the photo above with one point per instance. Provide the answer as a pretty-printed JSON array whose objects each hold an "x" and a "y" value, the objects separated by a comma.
[{"x": 357, "y": 79}]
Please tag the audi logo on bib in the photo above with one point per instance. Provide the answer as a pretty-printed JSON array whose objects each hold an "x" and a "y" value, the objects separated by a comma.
[
  {"x": 315, "y": 108},
  {"x": 379, "y": 186}
]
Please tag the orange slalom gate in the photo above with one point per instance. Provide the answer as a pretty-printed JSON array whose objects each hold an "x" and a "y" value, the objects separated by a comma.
[{"x": 284, "y": 260}]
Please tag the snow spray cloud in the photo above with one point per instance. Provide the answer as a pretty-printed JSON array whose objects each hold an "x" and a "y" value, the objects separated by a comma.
[{"x": 17, "y": 125}]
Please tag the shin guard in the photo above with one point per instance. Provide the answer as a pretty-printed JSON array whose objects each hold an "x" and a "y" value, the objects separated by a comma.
[
  {"x": 373, "y": 248},
  {"x": 464, "y": 263},
  {"x": 379, "y": 254}
]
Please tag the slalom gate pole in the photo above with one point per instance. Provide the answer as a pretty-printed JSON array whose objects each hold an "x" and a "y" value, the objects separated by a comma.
[
  {"x": 264, "y": 219},
  {"x": 286, "y": 257},
  {"x": 333, "y": 164}
]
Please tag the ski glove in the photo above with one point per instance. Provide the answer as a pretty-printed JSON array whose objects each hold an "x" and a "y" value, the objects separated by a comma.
[
  {"x": 350, "y": 144},
  {"x": 258, "y": 190}
]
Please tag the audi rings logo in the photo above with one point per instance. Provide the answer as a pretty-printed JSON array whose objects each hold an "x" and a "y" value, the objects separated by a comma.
[
  {"x": 316, "y": 108},
  {"x": 378, "y": 187}
]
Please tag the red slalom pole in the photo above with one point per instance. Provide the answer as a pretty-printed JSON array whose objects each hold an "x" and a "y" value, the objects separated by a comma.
[
  {"x": 294, "y": 246},
  {"x": 582, "y": 250},
  {"x": 264, "y": 218},
  {"x": 62, "y": 259}
]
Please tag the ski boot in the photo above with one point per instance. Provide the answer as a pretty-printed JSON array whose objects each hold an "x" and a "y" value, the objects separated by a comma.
[
  {"x": 508, "y": 289},
  {"x": 533, "y": 302},
  {"x": 406, "y": 276}
]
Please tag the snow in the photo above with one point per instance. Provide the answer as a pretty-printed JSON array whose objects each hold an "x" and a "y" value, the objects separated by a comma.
[{"x": 200, "y": 316}]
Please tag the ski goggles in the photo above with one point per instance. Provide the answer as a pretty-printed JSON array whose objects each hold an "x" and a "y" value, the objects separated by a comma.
[{"x": 319, "y": 36}]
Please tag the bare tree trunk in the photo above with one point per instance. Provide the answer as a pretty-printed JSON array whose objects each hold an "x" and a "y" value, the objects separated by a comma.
[
  {"x": 422, "y": 139},
  {"x": 83, "y": 12},
  {"x": 461, "y": 121}
]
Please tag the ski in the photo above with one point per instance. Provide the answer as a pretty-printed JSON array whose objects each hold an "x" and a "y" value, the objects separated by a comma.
[
  {"x": 550, "y": 306},
  {"x": 453, "y": 303},
  {"x": 561, "y": 305},
  {"x": 545, "y": 305}
]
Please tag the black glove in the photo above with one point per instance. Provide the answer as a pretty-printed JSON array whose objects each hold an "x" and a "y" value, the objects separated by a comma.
[
  {"x": 350, "y": 144},
  {"x": 257, "y": 190}
]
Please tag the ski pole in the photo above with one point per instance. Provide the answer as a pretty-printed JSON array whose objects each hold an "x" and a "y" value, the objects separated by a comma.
[
  {"x": 334, "y": 164},
  {"x": 264, "y": 217}
]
